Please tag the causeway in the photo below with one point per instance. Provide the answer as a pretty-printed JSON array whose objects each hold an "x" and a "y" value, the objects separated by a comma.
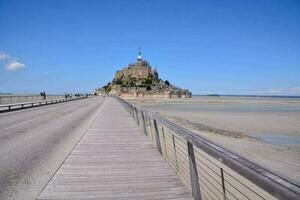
[{"x": 114, "y": 160}]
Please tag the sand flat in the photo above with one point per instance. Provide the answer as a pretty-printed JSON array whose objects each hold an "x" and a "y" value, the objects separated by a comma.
[{"x": 263, "y": 129}]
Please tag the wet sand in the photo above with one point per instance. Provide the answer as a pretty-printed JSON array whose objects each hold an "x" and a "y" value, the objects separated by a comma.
[{"x": 265, "y": 130}]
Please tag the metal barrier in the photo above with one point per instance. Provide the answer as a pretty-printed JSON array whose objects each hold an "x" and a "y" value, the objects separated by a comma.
[
  {"x": 208, "y": 170},
  {"x": 12, "y": 99},
  {"x": 16, "y": 106}
]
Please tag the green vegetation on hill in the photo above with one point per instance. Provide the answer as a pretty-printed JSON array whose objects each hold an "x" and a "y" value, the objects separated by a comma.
[
  {"x": 134, "y": 82},
  {"x": 107, "y": 87}
]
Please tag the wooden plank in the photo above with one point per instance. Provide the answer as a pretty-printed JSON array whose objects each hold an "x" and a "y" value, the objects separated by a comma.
[{"x": 114, "y": 160}]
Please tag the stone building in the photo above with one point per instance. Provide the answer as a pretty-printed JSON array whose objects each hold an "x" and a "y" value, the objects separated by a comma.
[
  {"x": 140, "y": 80},
  {"x": 139, "y": 70}
]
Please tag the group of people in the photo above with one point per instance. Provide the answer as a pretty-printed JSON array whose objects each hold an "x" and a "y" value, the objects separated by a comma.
[
  {"x": 67, "y": 95},
  {"x": 43, "y": 95}
]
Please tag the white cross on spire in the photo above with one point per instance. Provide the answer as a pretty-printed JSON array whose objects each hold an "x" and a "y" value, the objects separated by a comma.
[{"x": 140, "y": 54}]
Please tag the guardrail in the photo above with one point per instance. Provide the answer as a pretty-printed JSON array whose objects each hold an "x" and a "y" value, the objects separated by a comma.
[
  {"x": 16, "y": 106},
  {"x": 12, "y": 99},
  {"x": 208, "y": 170}
]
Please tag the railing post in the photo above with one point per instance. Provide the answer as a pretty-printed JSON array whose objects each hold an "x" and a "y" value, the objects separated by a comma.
[
  {"x": 157, "y": 141},
  {"x": 140, "y": 118},
  {"x": 133, "y": 115},
  {"x": 132, "y": 112},
  {"x": 144, "y": 125},
  {"x": 193, "y": 173},
  {"x": 223, "y": 184},
  {"x": 163, "y": 132},
  {"x": 175, "y": 153},
  {"x": 151, "y": 132},
  {"x": 137, "y": 116}
]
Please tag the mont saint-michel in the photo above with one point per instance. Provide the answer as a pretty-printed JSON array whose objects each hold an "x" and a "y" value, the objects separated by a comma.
[{"x": 141, "y": 80}]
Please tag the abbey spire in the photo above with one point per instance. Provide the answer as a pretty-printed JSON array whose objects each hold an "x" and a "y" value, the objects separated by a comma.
[{"x": 139, "y": 55}]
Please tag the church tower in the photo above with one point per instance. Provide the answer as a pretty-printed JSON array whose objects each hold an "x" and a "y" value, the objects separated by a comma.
[{"x": 139, "y": 58}]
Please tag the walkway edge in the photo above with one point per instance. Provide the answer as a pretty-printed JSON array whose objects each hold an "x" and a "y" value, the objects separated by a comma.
[{"x": 84, "y": 133}]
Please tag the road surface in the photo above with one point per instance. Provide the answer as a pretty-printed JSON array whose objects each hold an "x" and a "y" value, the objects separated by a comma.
[{"x": 35, "y": 142}]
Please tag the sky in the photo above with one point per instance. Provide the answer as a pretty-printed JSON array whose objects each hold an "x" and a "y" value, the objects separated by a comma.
[{"x": 211, "y": 46}]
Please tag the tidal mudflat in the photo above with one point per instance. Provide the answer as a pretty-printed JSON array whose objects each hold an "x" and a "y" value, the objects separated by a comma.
[{"x": 263, "y": 129}]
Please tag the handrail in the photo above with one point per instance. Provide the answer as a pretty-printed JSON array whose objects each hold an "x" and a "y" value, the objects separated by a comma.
[
  {"x": 35, "y": 103},
  {"x": 10, "y": 99},
  {"x": 233, "y": 166}
]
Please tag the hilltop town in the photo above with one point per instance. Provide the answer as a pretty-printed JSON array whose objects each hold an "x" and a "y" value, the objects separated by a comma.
[{"x": 141, "y": 80}]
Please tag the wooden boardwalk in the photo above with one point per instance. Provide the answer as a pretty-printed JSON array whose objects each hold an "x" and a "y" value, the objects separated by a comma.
[{"x": 114, "y": 160}]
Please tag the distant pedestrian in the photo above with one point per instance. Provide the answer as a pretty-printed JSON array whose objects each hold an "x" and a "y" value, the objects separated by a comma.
[{"x": 43, "y": 95}]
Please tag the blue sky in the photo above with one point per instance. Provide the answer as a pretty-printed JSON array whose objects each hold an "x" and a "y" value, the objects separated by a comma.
[{"x": 227, "y": 47}]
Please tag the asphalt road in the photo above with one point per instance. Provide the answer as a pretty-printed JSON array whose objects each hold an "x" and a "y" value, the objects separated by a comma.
[{"x": 35, "y": 142}]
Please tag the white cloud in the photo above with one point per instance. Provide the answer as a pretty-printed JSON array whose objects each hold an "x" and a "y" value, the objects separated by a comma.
[
  {"x": 295, "y": 90},
  {"x": 4, "y": 56},
  {"x": 274, "y": 91},
  {"x": 14, "y": 65},
  {"x": 284, "y": 91},
  {"x": 11, "y": 62}
]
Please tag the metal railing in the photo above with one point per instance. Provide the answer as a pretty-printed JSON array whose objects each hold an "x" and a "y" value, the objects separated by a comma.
[
  {"x": 208, "y": 170},
  {"x": 11, "y": 99},
  {"x": 16, "y": 106}
]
